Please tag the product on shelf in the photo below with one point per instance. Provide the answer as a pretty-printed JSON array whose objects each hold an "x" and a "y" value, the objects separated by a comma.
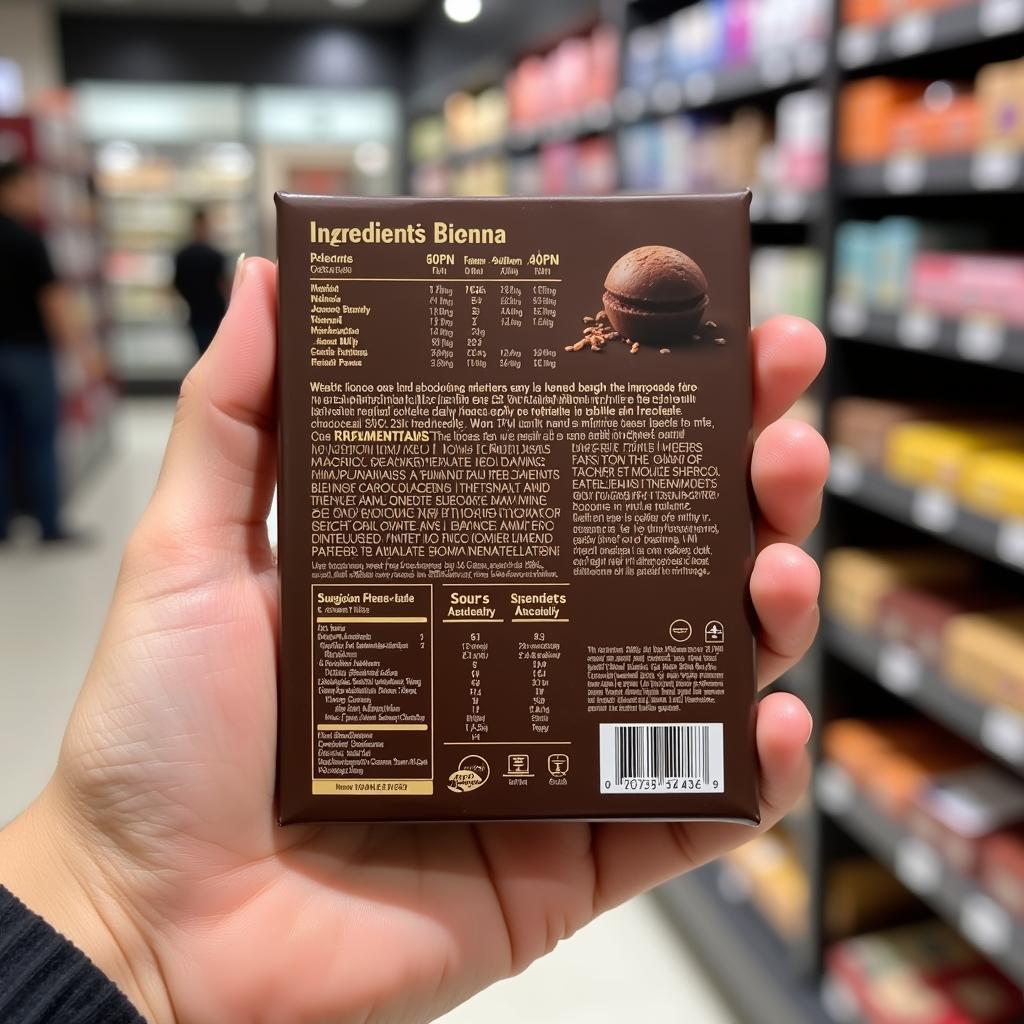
[
  {"x": 922, "y": 973},
  {"x": 866, "y": 110},
  {"x": 785, "y": 279},
  {"x": 917, "y": 617},
  {"x": 714, "y": 35},
  {"x": 861, "y": 426},
  {"x": 962, "y": 284},
  {"x": 1002, "y": 869},
  {"x": 1000, "y": 89},
  {"x": 955, "y": 813},
  {"x": 880, "y": 116},
  {"x": 857, "y": 579},
  {"x": 984, "y": 655},
  {"x": 893, "y": 760},
  {"x": 993, "y": 483},
  {"x": 770, "y": 868},
  {"x": 862, "y": 894},
  {"x": 935, "y": 453}
]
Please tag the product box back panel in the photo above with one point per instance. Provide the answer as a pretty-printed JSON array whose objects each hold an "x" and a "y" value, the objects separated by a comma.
[{"x": 515, "y": 524}]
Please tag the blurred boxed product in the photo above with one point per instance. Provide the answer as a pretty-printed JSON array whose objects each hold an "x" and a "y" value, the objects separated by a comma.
[
  {"x": 1002, "y": 869},
  {"x": 956, "y": 813},
  {"x": 957, "y": 284},
  {"x": 984, "y": 656},
  {"x": 917, "y": 617},
  {"x": 892, "y": 761},
  {"x": 770, "y": 868},
  {"x": 856, "y": 580},
  {"x": 921, "y": 973},
  {"x": 935, "y": 453},
  {"x": 862, "y": 426},
  {"x": 785, "y": 279},
  {"x": 715, "y": 34},
  {"x": 881, "y": 116},
  {"x": 992, "y": 483}
]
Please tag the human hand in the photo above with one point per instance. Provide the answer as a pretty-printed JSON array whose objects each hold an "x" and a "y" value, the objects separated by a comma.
[{"x": 154, "y": 846}]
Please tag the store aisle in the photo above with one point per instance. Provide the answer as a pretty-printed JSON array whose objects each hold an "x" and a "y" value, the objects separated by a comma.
[{"x": 52, "y": 604}]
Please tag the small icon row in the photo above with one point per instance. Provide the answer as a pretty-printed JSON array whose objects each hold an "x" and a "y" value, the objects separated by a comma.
[
  {"x": 519, "y": 766},
  {"x": 680, "y": 631}
]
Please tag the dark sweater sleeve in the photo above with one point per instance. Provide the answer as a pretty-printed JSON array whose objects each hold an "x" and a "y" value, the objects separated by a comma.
[{"x": 45, "y": 979}]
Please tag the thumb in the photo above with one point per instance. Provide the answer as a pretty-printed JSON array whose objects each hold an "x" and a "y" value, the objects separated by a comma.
[{"x": 217, "y": 478}]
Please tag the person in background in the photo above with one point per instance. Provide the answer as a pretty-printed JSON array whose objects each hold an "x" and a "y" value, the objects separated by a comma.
[
  {"x": 199, "y": 277},
  {"x": 36, "y": 318}
]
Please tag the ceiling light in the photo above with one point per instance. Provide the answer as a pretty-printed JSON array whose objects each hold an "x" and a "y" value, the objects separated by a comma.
[
  {"x": 253, "y": 6},
  {"x": 347, "y": 5},
  {"x": 462, "y": 10},
  {"x": 371, "y": 157}
]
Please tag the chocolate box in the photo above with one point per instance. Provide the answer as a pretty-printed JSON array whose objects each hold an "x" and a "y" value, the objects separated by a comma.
[
  {"x": 983, "y": 654},
  {"x": 515, "y": 522}
]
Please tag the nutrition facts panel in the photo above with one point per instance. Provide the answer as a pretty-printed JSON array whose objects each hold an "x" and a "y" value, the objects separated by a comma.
[{"x": 373, "y": 689}]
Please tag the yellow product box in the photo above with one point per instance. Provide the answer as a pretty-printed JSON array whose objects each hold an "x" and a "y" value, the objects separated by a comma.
[
  {"x": 984, "y": 655},
  {"x": 933, "y": 454},
  {"x": 993, "y": 483},
  {"x": 855, "y": 579},
  {"x": 1000, "y": 91}
]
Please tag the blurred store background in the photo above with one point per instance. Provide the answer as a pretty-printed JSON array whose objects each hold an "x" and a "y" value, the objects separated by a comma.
[{"x": 884, "y": 142}]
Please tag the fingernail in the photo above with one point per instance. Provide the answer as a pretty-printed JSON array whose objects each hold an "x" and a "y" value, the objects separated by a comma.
[
  {"x": 236, "y": 282},
  {"x": 810, "y": 728}
]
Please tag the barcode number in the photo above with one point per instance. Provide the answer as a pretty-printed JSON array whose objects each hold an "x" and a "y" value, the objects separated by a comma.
[{"x": 652, "y": 758}]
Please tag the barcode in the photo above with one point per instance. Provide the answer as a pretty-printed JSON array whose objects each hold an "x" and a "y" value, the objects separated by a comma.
[{"x": 652, "y": 758}]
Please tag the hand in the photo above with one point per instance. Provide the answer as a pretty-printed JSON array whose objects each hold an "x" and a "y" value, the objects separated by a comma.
[{"x": 154, "y": 845}]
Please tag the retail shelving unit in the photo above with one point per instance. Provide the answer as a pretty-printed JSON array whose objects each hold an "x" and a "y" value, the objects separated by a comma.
[{"x": 906, "y": 353}]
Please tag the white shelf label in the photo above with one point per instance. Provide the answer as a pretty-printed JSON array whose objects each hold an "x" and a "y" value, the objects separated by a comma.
[
  {"x": 905, "y": 173},
  {"x": 598, "y": 116},
  {"x": 986, "y": 924},
  {"x": 1000, "y": 17},
  {"x": 858, "y": 45},
  {"x": 667, "y": 96},
  {"x": 1010, "y": 542},
  {"x": 789, "y": 205},
  {"x": 810, "y": 58},
  {"x": 917, "y": 329},
  {"x": 776, "y": 68},
  {"x": 933, "y": 510},
  {"x": 699, "y": 87},
  {"x": 1002, "y": 732},
  {"x": 995, "y": 168},
  {"x": 629, "y": 103},
  {"x": 982, "y": 339},
  {"x": 911, "y": 33},
  {"x": 839, "y": 1002},
  {"x": 848, "y": 318},
  {"x": 918, "y": 866},
  {"x": 846, "y": 473},
  {"x": 835, "y": 789},
  {"x": 899, "y": 669}
]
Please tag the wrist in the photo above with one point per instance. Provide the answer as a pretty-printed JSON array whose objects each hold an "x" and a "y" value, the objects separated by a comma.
[{"x": 44, "y": 862}]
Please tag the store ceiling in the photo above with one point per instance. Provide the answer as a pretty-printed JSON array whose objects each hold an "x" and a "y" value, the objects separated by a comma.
[{"x": 367, "y": 11}]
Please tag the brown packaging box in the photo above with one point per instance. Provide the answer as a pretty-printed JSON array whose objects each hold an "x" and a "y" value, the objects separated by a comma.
[
  {"x": 514, "y": 516},
  {"x": 984, "y": 655},
  {"x": 862, "y": 425}
]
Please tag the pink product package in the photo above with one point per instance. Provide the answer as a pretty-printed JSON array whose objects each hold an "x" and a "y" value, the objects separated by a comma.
[
  {"x": 955, "y": 285},
  {"x": 737, "y": 31}
]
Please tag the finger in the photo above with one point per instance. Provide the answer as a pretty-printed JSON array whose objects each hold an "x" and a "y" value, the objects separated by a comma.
[
  {"x": 788, "y": 354},
  {"x": 788, "y": 471},
  {"x": 217, "y": 478},
  {"x": 630, "y": 858},
  {"x": 784, "y": 589}
]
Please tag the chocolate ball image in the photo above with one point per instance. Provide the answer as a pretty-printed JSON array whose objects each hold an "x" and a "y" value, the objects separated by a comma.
[{"x": 656, "y": 295}]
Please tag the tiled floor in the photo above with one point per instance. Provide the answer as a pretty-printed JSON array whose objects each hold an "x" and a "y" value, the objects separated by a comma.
[{"x": 627, "y": 965}]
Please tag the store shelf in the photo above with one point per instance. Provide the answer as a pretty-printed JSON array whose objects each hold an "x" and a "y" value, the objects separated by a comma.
[
  {"x": 922, "y": 870},
  {"x": 928, "y": 509},
  {"x": 987, "y": 172},
  {"x": 971, "y": 339},
  {"x": 775, "y": 72},
  {"x": 734, "y": 942},
  {"x": 921, "y": 32},
  {"x": 996, "y": 731}
]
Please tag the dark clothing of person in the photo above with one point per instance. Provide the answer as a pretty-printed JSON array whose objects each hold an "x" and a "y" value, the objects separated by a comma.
[
  {"x": 29, "y": 402},
  {"x": 199, "y": 278},
  {"x": 44, "y": 978},
  {"x": 29, "y": 415},
  {"x": 25, "y": 270}
]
